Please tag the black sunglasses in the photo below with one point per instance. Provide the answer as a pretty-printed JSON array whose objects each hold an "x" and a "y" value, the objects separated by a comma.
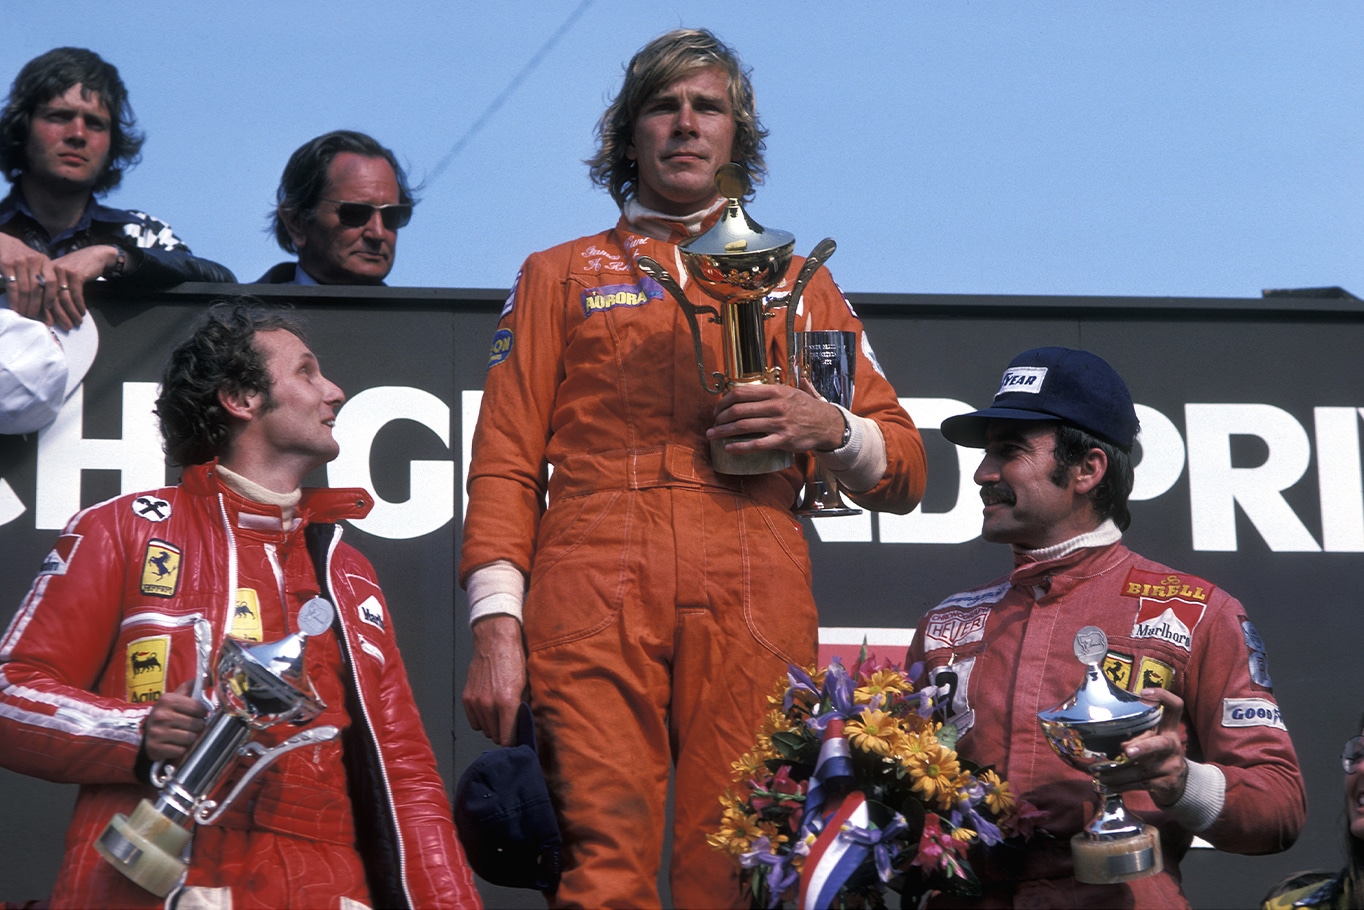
[
  {"x": 357, "y": 214},
  {"x": 1353, "y": 754}
]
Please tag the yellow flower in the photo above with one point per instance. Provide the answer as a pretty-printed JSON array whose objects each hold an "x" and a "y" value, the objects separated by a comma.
[
  {"x": 883, "y": 683},
  {"x": 934, "y": 774},
  {"x": 738, "y": 831},
  {"x": 965, "y": 835},
  {"x": 873, "y": 731},
  {"x": 999, "y": 799},
  {"x": 747, "y": 767}
]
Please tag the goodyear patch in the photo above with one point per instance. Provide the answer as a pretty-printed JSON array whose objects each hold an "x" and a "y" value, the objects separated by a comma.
[
  {"x": 144, "y": 668},
  {"x": 152, "y": 508},
  {"x": 1251, "y": 712},
  {"x": 1259, "y": 660},
  {"x": 501, "y": 349},
  {"x": 1154, "y": 674},
  {"x": 951, "y": 627},
  {"x": 160, "y": 569},
  {"x": 372, "y": 612},
  {"x": 1118, "y": 668},
  {"x": 610, "y": 296},
  {"x": 1022, "y": 379},
  {"x": 246, "y": 620},
  {"x": 58, "y": 560}
]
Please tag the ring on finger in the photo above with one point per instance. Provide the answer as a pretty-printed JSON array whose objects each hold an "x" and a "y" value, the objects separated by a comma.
[
  {"x": 42, "y": 282},
  {"x": 64, "y": 287},
  {"x": 11, "y": 277}
]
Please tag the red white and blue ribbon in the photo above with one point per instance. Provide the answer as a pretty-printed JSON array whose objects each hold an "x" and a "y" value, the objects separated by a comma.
[{"x": 833, "y": 856}]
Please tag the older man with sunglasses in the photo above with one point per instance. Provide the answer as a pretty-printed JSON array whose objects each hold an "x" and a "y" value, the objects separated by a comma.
[{"x": 340, "y": 203}]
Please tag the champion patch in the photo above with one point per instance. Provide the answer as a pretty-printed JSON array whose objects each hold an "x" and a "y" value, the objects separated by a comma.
[
  {"x": 1022, "y": 379},
  {"x": 152, "y": 508},
  {"x": 608, "y": 297},
  {"x": 160, "y": 569},
  {"x": 144, "y": 668},
  {"x": 1118, "y": 668},
  {"x": 1154, "y": 674},
  {"x": 501, "y": 349},
  {"x": 246, "y": 620},
  {"x": 58, "y": 560},
  {"x": 1259, "y": 661},
  {"x": 372, "y": 612},
  {"x": 950, "y": 627},
  {"x": 1251, "y": 712}
]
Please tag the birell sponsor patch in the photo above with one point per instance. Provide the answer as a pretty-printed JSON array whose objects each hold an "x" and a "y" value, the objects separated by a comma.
[
  {"x": 1259, "y": 661},
  {"x": 1118, "y": 669},
  {"x": 144, "y": 668},
  {"x": 501, "y": 349},
  {"x": 1170, "y": 607},
  {"x": 1022, "y": 379},
  {"x": 950, "y": 627},
  {"x": 372, "y": 612},
  {"x": 160, "y": 569},
  {"x": 1251, "y": 712},
  {"x": 608, "y": 297},
  {"x": 152, "y": 508},
  {"x": 246, "y": 621},
  {"x": 1154, "y": 674},
  {"x": 59, "y": 559}
]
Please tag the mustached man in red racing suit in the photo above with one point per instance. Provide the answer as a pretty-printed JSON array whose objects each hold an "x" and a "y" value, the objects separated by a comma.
[
  {"x": 1055, "y": 479},
  {"x": 97, "y": 667},
  {"x": 664, "y": 599}
]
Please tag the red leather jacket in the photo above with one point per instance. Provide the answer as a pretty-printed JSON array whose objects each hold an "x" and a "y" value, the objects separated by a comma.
[{"x": 108, "y": 623}]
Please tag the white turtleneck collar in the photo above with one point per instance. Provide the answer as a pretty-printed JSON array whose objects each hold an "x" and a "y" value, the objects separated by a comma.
[
  {"x": 1105, "y": 534},
  {"x": 287, "y": 502},
  {"x": 664, "y": 227}
]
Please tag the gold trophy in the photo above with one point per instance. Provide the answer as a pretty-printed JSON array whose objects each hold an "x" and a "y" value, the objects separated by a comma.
[
  {"x": 738, "y": 262},
  {"x": 258, "y": 686},
  {"x": 828, "y": 359},
  {"x": 1088, "y": 730}
]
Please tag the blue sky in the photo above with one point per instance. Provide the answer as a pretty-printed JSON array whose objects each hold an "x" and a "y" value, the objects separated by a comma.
[{"x": 1048, "y": 147}]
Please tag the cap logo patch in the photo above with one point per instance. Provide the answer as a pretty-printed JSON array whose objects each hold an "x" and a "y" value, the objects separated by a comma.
[{"x": 1022, "y": 379}]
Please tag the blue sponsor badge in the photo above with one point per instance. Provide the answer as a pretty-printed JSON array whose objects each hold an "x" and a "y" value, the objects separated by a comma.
[
  {"x": 610, "y": 296},
  {"x": 501, "y": 350}
]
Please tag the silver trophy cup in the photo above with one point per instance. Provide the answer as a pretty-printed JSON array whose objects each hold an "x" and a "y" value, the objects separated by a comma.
[
  {"x": 828, "y": 359},
  {"x": 1088, "y": 731},
  {"x": 258, "y": 686},
  {"x": 737, "y": 263}
]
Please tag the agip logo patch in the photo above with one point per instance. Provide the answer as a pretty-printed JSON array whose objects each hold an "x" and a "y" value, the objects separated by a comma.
[
  {"x": 160, "y": 569},
  {"x": 144, "y": 668},
  {"x": 607, "y": 297},
  {"x": 246, "y": 620}
]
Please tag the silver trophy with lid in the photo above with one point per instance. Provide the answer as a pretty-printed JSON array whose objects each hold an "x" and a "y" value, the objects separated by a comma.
[
  {"x": 258, "y": 686},
  {"x": 737, "y": 263},
  {"x": 1088, "y": 731}
]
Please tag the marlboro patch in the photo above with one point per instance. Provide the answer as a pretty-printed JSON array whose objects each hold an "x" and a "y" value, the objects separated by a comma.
[
  {"x": 161, "y": 569},
  {"x": 1169, "y": 606},
  {"x": 1118, "y": 668},
  {"x": 59, "y": 559},
  {"x": 144, "y": 668},
  {"x": 246, "y": 620}
]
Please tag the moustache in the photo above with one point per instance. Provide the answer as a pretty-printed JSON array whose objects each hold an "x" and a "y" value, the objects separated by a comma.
[{"x": 997, "y": 494}]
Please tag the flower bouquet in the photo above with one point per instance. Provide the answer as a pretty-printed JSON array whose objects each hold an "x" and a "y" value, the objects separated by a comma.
[{"x": 853, "y": 789}]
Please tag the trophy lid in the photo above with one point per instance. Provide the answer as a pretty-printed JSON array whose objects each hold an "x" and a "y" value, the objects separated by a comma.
[
  {"x": 1099, "y": 706},
  {"x": 736, "y": 234}
]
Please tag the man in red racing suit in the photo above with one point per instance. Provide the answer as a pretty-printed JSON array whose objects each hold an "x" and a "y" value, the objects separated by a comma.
[
  {"x": 108, "y": 631},
  {"x": 665, "y": 599},
  {"x": 1221, "y": 766}
]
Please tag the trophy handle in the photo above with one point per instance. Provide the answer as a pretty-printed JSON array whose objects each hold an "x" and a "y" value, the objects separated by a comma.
[
  {"x": 655, "y": 271},
  {"x": 209, "y": 811},
  {"x": 822, "y": 251}
]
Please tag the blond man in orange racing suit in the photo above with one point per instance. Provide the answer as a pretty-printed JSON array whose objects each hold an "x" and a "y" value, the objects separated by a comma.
[{"x": 664, "y": 598}]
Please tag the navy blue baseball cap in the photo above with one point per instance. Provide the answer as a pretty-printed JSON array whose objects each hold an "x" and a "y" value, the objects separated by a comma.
[
  {"x": 504, "y": 817},
  {"x": 1074, "y": 387}
]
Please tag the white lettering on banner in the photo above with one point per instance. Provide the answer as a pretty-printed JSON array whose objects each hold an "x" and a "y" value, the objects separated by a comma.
[
  {"x": 1216, "y": 488},
  {"x": 431, "y": 498},
  {"x": 63, "y": 453},
  {"x": 957, "y": 525},
  {"x": 1339, "y": 480},
  {"x": 1162, "y": 455}
]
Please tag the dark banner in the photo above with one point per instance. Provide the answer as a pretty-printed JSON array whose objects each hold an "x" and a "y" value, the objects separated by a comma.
[{"x": 1249, "y": 476}]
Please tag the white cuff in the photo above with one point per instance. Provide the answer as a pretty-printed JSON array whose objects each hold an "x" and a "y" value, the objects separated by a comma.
[
  {"x": 1205, "y": 793},
  {"x": 861, "y": 463},
  {"x": 498, "y": 587}
]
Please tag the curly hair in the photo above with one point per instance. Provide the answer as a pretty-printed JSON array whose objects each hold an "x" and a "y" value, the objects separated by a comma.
[
  {"x": 220, "y": 356},
  {"x": 305, "y": 177},
  {"x": 1109, "y": 498},
  {"x": 50, "y": 76},
  {"x": 660, "y": 63}
]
